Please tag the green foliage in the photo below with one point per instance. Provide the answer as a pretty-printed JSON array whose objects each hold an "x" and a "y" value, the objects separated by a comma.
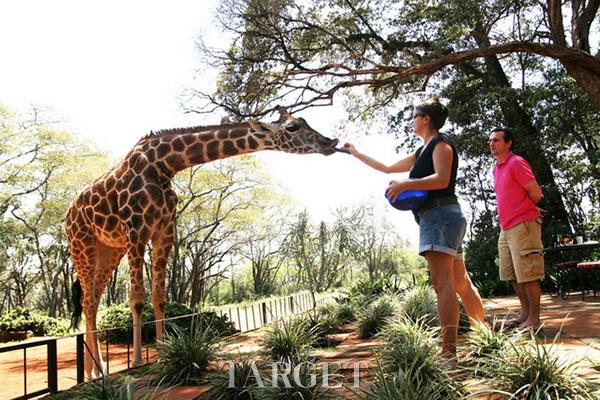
[
  {"x": 289, "y": 339},
  {"x": 407, "y": 341},
  {"x": 409, "y": 365},
  {"x": 23, "y": 319},
  {"x": 420, "y": 304},
  {"x": 372, "y": 318},
  {"x": 109, "y": 388},
  {"x": 482, "y": 342},
  {"x": 245, "y": 384},
  {"x": 185, "y": 354},
  {"x": 119, "y": 316},
  {"x": 532, "y": 370},
  {"x": 309, "y": 386},
  {"x": 412, "y": 383},
  {"x": 371, "y": 289},
  {"x": 322, "y": 323},
  {"x": 345, "y": 313}
]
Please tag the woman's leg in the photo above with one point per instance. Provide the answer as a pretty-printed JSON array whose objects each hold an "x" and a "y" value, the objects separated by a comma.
[
  {"x": 467, "y": 292},
  {"x": 442, "y": 277}
]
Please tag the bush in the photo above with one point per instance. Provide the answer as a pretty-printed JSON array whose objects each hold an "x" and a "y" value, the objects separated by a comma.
[
  {"x": 289, "y": 339},
  {"x": 119, "y": 316},
  {"x": 372, "y": 318},
  {"x": 420, "y": 304},
  {"x": 185, "y": 354},
  {"x": 530, "y": 370},
  {"x": 23, "y": 319}
]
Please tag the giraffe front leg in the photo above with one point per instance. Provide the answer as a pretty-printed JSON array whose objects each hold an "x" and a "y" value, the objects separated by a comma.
[
  {"x": 137, "y": 297},
  {"x": 161, "y": 246}
]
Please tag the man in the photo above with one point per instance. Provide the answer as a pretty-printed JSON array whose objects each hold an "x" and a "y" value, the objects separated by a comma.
[{"x": 520, "y": 243}]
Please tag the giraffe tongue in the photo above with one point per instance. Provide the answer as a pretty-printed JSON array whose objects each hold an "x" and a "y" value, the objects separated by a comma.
[{"x": 341, "y": 150}]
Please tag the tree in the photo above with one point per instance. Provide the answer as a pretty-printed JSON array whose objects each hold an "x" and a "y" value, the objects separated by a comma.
[
  {"x": 305, "y": 53},
  {"x": 43, "y": 168},
  {"x": 216, "y": 203}
]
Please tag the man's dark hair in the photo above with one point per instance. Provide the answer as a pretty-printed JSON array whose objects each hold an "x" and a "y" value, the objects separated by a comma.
[{"x": 508, "y": 136}]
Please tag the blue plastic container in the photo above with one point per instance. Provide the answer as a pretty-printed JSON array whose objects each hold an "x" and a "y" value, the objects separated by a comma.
[{"x": 408, "y": 200}]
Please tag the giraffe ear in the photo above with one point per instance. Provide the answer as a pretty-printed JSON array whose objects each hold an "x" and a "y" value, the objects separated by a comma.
[{"x": 284, "y": 114}]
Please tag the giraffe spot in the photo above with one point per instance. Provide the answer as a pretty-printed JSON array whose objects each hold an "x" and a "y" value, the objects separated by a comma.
[
  {"x": 111, "y": 223},
  {"x": 178, "y": 145},
  {"x": 222, "y": 134},
  {"x": 137, "y": 221},
  {"x": 252, "y": 143},
  {"x": 140, "y": 165},
  {"x": 123, "y": 197},
  {"x": 212, "y": 150},
  {"x": 188, "y": 139},
  {"x": 143, "y": 200},
  {"x": 162, "y": 150},
  {"x": 175, "y": 162},
  {"x": 99, "y": 220},
  {"x": 260, "y": 135},
  {"x": 136, "y": 184},
  {"x": 95, "y": 198},
  {"x": 125, "y": 212},
  {"x": 268, "y": 143},
  {"x": 103, "y": 207},
  {"x": 229, "y": 148},
  {"x": 151, "y": 155},
  {"x": 154, "y": 192},
  {"x": 241, "y": 143},
  {"x": 237, "y": 133},
  {"x": 113, "y": 201}
]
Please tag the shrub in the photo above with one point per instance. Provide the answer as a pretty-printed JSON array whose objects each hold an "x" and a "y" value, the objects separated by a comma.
[
  {"x": 345, "y": 313},
  {"x": 405, "y": 341},
  {"x": 321, "y": 324},
  {"x": 484, "y": 342},
  {"x": 119, "y": 316},
  {"x": 245, "y": 384},
  {"x": 289, "y": 339},
  {"x": 119, "y": 389},
  {"x": 184, "y": 355},
  {"x": 23, "y": 319},
  {"x": 372, "y": 318},
  {"x": 309, "y": 386},
  {"x": 411, "y": 383},
  {"x": 529, "y": 370},
  {"x": 420, "y": 304}
]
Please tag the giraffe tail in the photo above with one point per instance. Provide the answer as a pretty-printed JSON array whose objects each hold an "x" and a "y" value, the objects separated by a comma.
[{"x": 76, "y": 302}]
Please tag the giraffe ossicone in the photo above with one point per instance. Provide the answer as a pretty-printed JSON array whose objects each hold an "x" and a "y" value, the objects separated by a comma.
[{"x": 134, "y": 203}]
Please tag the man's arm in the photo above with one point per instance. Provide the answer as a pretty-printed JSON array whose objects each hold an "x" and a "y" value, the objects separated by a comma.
[{"x": 534, "y": 191}]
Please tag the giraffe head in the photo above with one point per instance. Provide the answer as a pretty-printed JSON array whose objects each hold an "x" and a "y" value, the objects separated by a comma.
[{"x": 293, "y": 135}]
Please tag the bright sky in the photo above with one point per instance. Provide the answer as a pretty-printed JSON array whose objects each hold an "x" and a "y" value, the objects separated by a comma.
[{"x": 114, "y": 70}]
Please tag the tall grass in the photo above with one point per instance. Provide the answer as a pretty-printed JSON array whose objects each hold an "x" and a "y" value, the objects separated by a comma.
[
  {"x": 289, "y": 339},
  {"x": 372, "y": 319},
  {"x": 185, "y": 354},
  {"x": 530, "y": 370},
  {"x": 419, "y": 304}
]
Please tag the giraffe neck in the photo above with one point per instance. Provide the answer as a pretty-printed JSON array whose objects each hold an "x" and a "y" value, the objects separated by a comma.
[{"x": 178, "y": 151}]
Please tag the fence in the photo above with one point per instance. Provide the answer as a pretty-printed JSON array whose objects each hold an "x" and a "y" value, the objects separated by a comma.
[{"x": 246, "y": 317}]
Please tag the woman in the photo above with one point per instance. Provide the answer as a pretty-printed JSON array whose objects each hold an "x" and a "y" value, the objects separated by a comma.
[{"x": 441, "y": 223}]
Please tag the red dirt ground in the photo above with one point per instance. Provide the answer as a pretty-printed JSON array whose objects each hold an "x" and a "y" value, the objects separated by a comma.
[{"x": 580, "y": 336}]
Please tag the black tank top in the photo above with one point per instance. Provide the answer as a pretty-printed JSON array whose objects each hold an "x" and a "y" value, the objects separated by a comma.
[{"x": 423, "y": 166}]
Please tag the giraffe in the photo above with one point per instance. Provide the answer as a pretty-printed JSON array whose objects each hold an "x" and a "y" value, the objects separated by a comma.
[{"x": 134, "y": 203}]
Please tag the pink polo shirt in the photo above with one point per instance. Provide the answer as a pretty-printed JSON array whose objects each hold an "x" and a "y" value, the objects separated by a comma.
[{"x": 514, "y": 205}]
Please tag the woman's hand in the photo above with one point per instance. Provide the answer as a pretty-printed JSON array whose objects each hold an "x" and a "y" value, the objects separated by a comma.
[
  {"x": 397, "y": 187},
  {"x": 350, "y": 147}
]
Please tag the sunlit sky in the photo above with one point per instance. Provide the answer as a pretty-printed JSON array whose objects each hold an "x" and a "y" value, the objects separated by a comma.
[{"x": 114, "y": 70}]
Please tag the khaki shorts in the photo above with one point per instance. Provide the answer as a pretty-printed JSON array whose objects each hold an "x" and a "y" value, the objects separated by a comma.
[{"x": 520, "y": 250}]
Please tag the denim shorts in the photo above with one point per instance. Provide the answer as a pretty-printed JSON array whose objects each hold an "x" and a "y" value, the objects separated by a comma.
[{"x": 442, "y": 229}]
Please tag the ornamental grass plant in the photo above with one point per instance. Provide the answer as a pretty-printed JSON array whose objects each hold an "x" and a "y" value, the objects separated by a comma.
[
  {"x": 184, "y": 355},
  {"x": 374, "y": 317},
  {"x": 531, "y": 370},
  {"x": 289, "y": 339}
]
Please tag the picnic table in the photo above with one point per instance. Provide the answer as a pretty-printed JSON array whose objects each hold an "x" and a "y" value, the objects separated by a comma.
[{"x": 574, "y": 262}]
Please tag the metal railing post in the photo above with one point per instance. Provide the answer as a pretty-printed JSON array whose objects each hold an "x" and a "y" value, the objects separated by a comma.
[
  {"x": 80, "y": 363},
  {"x": 52, "y": 367}
]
